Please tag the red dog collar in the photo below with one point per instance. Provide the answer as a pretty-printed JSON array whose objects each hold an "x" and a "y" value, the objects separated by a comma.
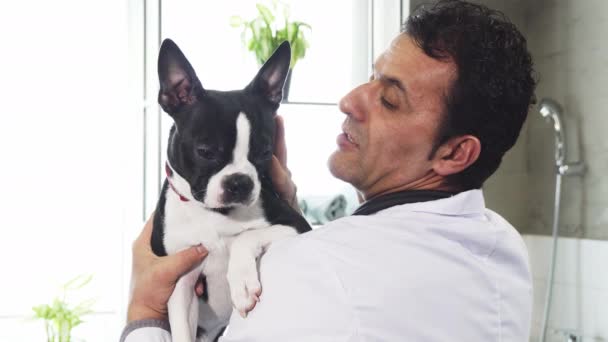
[{"x": 169, "y": 174}]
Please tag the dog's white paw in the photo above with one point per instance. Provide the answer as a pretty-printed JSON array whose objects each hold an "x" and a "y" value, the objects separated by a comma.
[{"x": 245, "y": 288}]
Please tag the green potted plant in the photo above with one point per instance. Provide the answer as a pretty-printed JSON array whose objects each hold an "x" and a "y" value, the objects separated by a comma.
[
  {"x": 59, "y": 318},
  {"x": 262, "y": 35}
]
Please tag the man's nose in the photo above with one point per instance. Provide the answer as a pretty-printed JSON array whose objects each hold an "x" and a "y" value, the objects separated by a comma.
[{"x": 356, "y": 102}]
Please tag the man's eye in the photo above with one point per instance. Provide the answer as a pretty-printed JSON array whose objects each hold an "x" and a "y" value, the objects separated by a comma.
[{"x": 387, "y": 104}]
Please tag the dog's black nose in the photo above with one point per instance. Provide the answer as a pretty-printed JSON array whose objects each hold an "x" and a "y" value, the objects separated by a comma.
[{"x": 237, "y": 188}]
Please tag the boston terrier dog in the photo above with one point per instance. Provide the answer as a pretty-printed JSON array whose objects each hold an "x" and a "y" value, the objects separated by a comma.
[{"x": 218, "y": 190}]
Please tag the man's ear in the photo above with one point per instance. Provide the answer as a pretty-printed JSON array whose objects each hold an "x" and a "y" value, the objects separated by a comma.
[
  {"x": 456, "y": 154},
  {"x": 179, "y": 85},
  {"x": 270, "y": 79}
]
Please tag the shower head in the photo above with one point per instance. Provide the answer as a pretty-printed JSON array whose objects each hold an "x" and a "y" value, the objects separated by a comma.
[
  {"x": 552, "y": 111},
  {"x": 549, "y": 108}
]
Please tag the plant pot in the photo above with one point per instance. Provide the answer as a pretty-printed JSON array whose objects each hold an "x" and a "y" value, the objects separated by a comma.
[{"x": 286, "y": 87}]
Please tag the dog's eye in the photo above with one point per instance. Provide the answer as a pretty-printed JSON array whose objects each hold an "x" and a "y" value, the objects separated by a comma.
[{"x": 206, "y": 152}]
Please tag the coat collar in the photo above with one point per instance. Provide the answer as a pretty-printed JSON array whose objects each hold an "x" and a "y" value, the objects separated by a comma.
[
  {"x": 386, "y": 201},
  {"x": 466, "y": 203}
]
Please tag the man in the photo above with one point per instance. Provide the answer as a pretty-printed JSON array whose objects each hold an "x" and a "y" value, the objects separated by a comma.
[{"x": 422, "y": 259}]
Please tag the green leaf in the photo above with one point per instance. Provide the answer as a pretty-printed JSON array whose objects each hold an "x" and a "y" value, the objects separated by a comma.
[
  {"x": 84, "y": 307},
  {"x": 38, "y": 310},
  {"x": 57, "y": 305},
  {"x": 75, "y": 321},
  {"x": 262, "y": 36},
  {"x": 43, "y": 311},
  {"x": 59, "y": 317},
  {"x": 78, "y": 282},
  {"x": 291, "y": 30},
  {"x": 299, "y": 23},
  {"x": 265, "y": 13},
  {"x": 296, "y": 50},
  {"x": 236, "y": 21},
  {"x": 286, "y": 11}
]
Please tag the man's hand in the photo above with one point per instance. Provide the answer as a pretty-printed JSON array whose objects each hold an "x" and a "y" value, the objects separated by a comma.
[
  {"x": 280, "y": 174},
  {"x": 153, "y": 278}
]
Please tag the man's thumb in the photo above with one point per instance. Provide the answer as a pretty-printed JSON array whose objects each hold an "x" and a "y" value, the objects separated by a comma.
[{"x": 184, "y": 261}]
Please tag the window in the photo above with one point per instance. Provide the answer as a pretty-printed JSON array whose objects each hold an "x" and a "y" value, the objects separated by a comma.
[
  {"x": 84, "y": 140},
  {"x": 338, "y": 59},
  {"x": 82, "y": 126},
  {"x": 68, "y": 160}
]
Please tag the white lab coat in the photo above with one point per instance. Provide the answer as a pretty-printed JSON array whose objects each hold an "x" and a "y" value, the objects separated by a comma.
[{"x": 443, "y": 270}]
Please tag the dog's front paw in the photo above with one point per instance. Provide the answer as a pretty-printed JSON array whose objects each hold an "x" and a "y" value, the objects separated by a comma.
[{"x": 245, "y": 288}]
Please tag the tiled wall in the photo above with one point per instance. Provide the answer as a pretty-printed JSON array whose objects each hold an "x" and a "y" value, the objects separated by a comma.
[
  {"x": 568, "y": 41},
  {"x": 580, "y": 290}
]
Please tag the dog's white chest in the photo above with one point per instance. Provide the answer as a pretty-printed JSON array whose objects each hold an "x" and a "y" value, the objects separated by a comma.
[{"x": 188, "y": 223}]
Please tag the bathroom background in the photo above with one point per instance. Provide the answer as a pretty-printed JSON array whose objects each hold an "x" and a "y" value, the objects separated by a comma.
[
  {"x": 567, "y": 41},
  {"x": 83, "y": 140}
]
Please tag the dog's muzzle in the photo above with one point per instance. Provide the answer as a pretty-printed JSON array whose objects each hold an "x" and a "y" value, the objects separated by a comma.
[{"x": 237, "y": 189}]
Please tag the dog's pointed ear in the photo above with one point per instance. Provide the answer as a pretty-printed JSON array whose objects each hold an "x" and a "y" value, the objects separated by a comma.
[
  {"x": 270, "y": 79},
  {"x": 179, "y": 85}
]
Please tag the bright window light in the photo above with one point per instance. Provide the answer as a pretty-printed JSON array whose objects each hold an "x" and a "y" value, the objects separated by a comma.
[{"x": 332, "y": 66}]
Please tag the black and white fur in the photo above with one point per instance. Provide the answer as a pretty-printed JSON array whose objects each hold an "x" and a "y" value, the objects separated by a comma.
[{"x": 219, "y": 154}]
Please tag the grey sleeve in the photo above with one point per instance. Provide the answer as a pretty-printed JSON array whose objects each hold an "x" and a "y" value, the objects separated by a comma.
[{"x": 144, "y": 323}]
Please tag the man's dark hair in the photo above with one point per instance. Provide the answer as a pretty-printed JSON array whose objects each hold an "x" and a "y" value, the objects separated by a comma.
[{"x": 494, "y": 87}]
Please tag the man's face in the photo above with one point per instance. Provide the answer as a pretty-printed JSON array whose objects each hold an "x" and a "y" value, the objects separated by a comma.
[{"x": 393, "y": 121}]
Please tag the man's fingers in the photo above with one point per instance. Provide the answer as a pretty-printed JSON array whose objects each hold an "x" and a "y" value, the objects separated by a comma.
[
  {"x": 146, "y": 234},
  {"x": 280, "y": 149},
  {"x": 281, "y": 177},
  {"x": 276, "y": 169},
  {"x": 199, "y": 288},
  {"x": 182, "y": 262}
]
